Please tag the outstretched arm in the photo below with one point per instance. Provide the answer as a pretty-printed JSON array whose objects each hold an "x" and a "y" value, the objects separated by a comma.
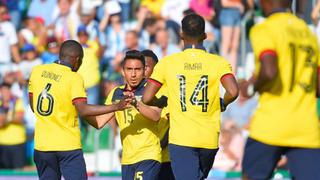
[
  {"x": 150, "y": 91},
  {"x": 150, "y": 112}
]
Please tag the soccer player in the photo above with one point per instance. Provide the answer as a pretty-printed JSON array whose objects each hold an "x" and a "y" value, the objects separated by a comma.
[
  {"x": 141, "y": 152},
  {"x": 57, "y": 95},
  {"x": 287, "y": 80},
  {"x": 163, "y": 118},
  {"x": 192, "y": 79}
]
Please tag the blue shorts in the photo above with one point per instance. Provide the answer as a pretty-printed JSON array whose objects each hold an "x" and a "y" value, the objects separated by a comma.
[
  {"x": 230, "y": 17},
  {"x": 146, "y": 170},
  {"x": 51, "y": 164},
  {"x": 190, "y": 163},
  {"x": 13, "y": 156},
  {"x": 166, "y": 171},
  {"x": 261, "y": 159}
]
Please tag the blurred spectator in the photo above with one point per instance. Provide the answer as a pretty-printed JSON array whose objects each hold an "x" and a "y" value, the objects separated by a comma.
[
  {"x": 115, "y": 35},
  {"x": 231, "y": 148},
  {"x": 67, "y": 21},
  {"x": 132, "y": 41},
  {"x": 242, "y": 109},
  {"x": 315, "y": 15},
  {"x": 203, "y": 8},
  {"x": 148, "y": 32},
  {"x": 153, "y": 5},
  {"x": 125, "y": 10},
  {"x": 230, "y": 19},
  {"x": 162, "y": 47},
  {"x": 43, "y": 9},
  {"x": 12, "y": 130},
  {"x": 173, "y": 9},
  {"x": 14, "y": 11},
  {"x": 52, "y": 51},
  {"x": 89, "y": 69},
  {"x": 8, "y": 42},
  {"x": 29, "y": 60},
  {"x": 34, "y": 33}
]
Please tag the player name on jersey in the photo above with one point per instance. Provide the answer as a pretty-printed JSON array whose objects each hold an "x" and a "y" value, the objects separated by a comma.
[
  {"x": 193, "y": 66},
  {"x": 51, "y": 75}
]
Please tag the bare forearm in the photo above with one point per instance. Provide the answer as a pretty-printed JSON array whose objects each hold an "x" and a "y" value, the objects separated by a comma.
[
  {"x": 99, "y": 121},
  {"x": 95, "y": 110},
  {"x": 152, "y": 113},
  {"x": 229, "y": 98},
  {"x": 150, "y": 91}
]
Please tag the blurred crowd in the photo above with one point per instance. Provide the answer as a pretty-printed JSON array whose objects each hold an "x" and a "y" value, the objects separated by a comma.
[{"x": 31, "y": 32}]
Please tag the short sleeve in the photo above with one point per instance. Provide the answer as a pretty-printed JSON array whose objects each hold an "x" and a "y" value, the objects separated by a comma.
[
  {"x": 159, "y": 72},
  {"x": 225, "y": 68},
  {"x": 109, "y": 98},
  {"x": 261, "y": 41},
  {"x": 77, "y": 88}
]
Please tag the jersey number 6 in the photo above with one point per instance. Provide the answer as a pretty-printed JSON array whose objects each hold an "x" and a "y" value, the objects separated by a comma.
[{"x": 47, "y": 98}]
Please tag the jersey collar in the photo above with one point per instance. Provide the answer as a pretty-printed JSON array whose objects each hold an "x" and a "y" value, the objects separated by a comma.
[
  {"x": 194, "y": 46},
  {"x": 63, "y": 63},
  {"x": 141, "y": 85},
  {"x": 279, "y": 10}
]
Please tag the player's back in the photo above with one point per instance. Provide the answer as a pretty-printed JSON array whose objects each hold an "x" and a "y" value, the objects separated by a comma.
[
  {"x": 286, "y": 114},
  {"x": 192, "y": 78},
  {"x": 54, "y": 88}
]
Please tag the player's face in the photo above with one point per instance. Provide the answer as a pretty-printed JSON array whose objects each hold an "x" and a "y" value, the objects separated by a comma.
[
  {"x": 133, "y": 72},
  {"x": 149, "y": 66}
]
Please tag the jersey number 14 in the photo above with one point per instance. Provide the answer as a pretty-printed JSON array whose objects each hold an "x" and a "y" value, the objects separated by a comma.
[{"x": 202, "y": 87}]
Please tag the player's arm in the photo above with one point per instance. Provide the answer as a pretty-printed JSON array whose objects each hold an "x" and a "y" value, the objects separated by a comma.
[
  {"x": 100, "y": 121},
  {"x": 268, "y": 71},
  {"x": 230, "y": 84},
  {"x": 86, "y": 110},
  {"x": 150, "y": 91},
  {"x": 150, "y": 112}
]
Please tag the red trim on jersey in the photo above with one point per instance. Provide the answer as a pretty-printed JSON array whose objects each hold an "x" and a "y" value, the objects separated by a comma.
[
  {"x": 267, "y": 52},
  {"x": 227, "y": 75},
  {"x": 79, "y": 99},
  {"x": 318, "y": 70},
  {"x": 30, "y": 95},
  {"x": 157, "y": 83}
]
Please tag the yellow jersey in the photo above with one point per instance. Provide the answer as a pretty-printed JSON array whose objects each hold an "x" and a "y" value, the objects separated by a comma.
[
  {"x": 192, "y": 79},
  {"x": 163, "y": 125},
  {"x": 54, "y": 88},
  {"x": 89, "y": 69},
  {"x": 287, "y": 115},
  {"x": 13, "y": 133},
  {"x": 139, "y": 136}
]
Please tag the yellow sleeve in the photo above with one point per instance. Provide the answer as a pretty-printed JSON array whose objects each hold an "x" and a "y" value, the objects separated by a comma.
[
  {"x": 77, "y": 88},
  {"x": 225, "y": 68},
  {"x": 109, "y": 98},
  {"x": 159, "y": 72},
  {"x": 261, "y": 41}
]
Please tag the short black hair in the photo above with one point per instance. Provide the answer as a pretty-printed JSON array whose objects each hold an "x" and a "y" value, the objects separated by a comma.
[
  {"x": 149, "y": 22},
  {"x": 149, "y": 53},
  {"x": 193, "y": 25},
  {"x": 70, "y": 49},
  {"x": 134, "y": 54}
]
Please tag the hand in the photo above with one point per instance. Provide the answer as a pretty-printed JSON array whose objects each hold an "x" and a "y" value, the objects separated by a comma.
[
  {"x": 223, "y": 107},
  {"x": 130, "y": 95},
  {"x": 123, "y": 104}
]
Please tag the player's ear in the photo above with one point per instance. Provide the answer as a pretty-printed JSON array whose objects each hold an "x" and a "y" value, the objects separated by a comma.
[
  {"x": 204, "y": 36},
  {"x": 181, "y": 35}
]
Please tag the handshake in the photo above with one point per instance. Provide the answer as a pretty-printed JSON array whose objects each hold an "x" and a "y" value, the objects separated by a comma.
[{"x": 128, "y": 101}]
